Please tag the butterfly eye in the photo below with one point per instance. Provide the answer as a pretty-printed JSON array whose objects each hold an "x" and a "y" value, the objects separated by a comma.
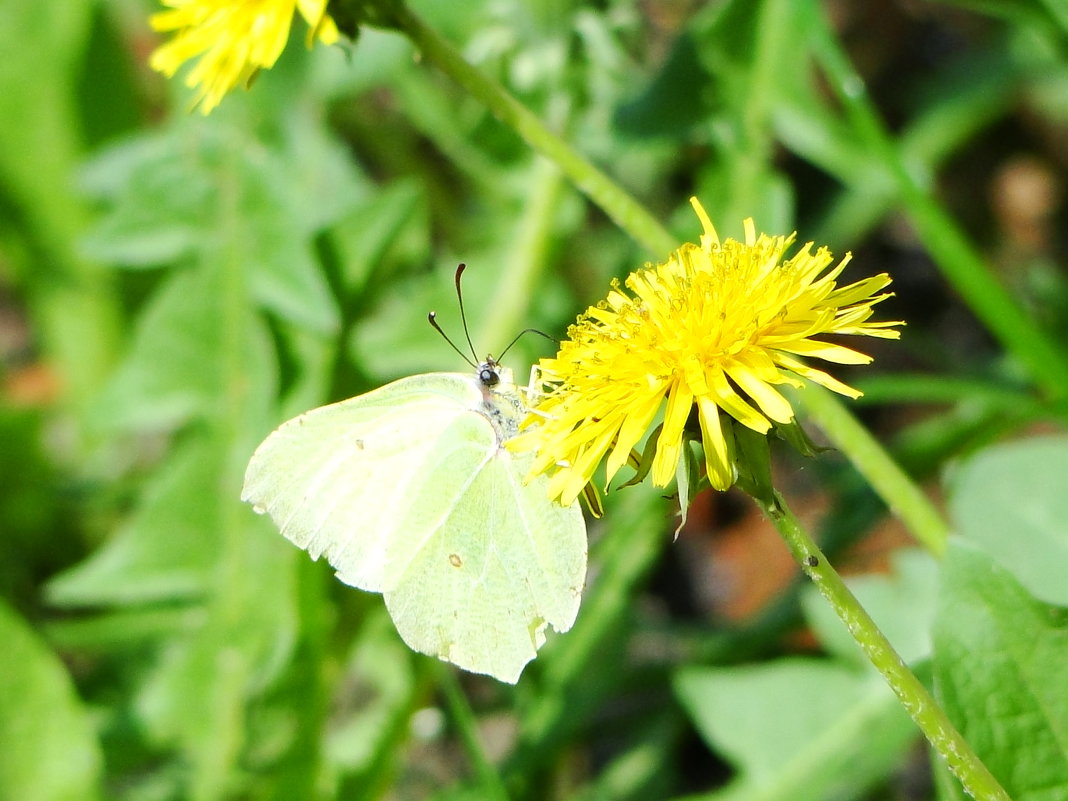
[{"x": 488, "y": 375}]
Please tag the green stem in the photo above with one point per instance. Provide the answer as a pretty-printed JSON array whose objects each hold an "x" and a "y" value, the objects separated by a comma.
[
  {"x": 755, "y": 149},
  {"x": 955, "y": 256},
  {"x": 526, "y": 260},
  {"x": 467, "y": 727},
  {"x": 927, "y": 714},
  {"x": 627, "y": 213},
  {"x": 901, "y": 494}
]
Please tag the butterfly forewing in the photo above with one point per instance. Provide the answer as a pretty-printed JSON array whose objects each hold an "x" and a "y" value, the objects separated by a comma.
[{"x": 337, "y": 479}]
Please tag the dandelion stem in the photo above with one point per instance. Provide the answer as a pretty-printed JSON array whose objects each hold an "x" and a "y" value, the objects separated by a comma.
[
  {"x": 918, "y": 702},
  {"x": 618, "y": 204}
]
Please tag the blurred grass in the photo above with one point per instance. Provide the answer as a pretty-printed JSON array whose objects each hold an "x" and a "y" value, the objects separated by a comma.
[{"x": 172, "y": 287}]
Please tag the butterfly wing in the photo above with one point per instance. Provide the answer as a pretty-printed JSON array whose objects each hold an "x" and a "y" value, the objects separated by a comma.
[
  {"x": 505, "y": 563},
  {"x": 406, "y": 491},
  {"x": 338, "y": 480}
]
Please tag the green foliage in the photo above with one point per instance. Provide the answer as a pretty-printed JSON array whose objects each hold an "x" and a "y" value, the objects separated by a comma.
[
  {"x": 797, "y": 729},
  {"x": 1001, "y": 632},
  {"x": 998, "y": 653},
  {"x": 172, "y": 287},
  {"x": 51, "y": 751},
  {"x": 1010, "y": 500}
]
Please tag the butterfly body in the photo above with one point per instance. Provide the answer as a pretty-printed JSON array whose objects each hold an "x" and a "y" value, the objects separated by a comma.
[{"x": 408, "y": 491}]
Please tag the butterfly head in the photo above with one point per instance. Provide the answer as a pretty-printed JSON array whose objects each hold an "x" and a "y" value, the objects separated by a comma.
[
  {"x": 489, "y": 373},
  {"x": 501, "y": 404}
]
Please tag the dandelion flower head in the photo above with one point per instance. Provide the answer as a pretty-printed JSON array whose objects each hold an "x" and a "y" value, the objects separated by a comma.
[
  {"x": 232, "y": 40},
  {"x": 718, "y": 326}
]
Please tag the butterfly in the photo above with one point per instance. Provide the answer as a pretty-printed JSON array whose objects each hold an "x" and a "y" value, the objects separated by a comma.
[{"x": 409, "y": 491}]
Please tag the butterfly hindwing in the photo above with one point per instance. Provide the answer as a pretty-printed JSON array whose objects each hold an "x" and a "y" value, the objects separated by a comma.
[{"x": 507, "y": 564}]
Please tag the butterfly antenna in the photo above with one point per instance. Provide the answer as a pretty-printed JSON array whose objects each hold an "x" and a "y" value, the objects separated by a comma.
[
  {"x": 527, "y": 331},
  {"x": 463, "y": 317},
  {"x": 432, "y": 319}
]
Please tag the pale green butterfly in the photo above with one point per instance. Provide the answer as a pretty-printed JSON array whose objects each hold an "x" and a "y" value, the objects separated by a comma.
[{"x": 408, "y": 491}]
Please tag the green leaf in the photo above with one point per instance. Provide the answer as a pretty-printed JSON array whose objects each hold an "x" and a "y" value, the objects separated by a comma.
[
  {"x": 999, "y": 672},
  {"x": 159, "y": 203},
  {"x": 42, "y": 46},
  {"x": 198, "y": 696},
  {"x": 198, "y": 193},
  {"x": 50, "y": 750},
  {"x": 797, "y": 729},
  {"x": 177, "y": 368},
  {"x": 687, "y": 475},
  {"x": 1011, "y": 501},
  {"x": 164, "y": 552}
]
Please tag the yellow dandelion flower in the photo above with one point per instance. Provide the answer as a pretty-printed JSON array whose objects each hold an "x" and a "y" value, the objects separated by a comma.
[
  {"x": 232, "y": 40},
  {"x": 718, "y": 326}
]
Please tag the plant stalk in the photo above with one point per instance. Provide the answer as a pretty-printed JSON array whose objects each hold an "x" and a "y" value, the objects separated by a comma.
[
  {"x": 617, "y": 203},
  {"x": 918, "y": 702}
]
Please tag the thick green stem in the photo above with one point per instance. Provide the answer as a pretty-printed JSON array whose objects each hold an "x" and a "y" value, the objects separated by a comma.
[
  {"x": 627, "y": 213},
  {"x": 924, "y": 710}
]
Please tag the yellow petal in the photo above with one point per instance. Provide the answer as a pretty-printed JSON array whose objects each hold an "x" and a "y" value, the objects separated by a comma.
[
  {"x": 679, "y": 403},
  {"x": 769, "y": 400},
  {"x": 717, "y": 461},
  {"x": 826, "y": 351},
  {"x": 729, "y": 400}
]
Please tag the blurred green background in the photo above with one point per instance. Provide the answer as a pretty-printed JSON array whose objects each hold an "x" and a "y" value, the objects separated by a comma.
[{"x": 173, "y": 286}]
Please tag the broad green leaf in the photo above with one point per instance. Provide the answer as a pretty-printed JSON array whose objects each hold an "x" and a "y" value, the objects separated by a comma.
[
  {"x": 184, "y": 354},
  {"x": 123, "y": 626},
  {"x": 201, "y": 193},
  {"x": 42, "y": 46},
  {"x": 198, "y": 696},
  {"x": 160, "y": 201},
  {"x": 902, "y": 605},
  {"x": 999, "y": 664},
  {"x": 795, "y": 729},
  {"x": 50, "y": 750},
  {"x": 1012, "y": 501},
  {"x": 168, "y": 549}
]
